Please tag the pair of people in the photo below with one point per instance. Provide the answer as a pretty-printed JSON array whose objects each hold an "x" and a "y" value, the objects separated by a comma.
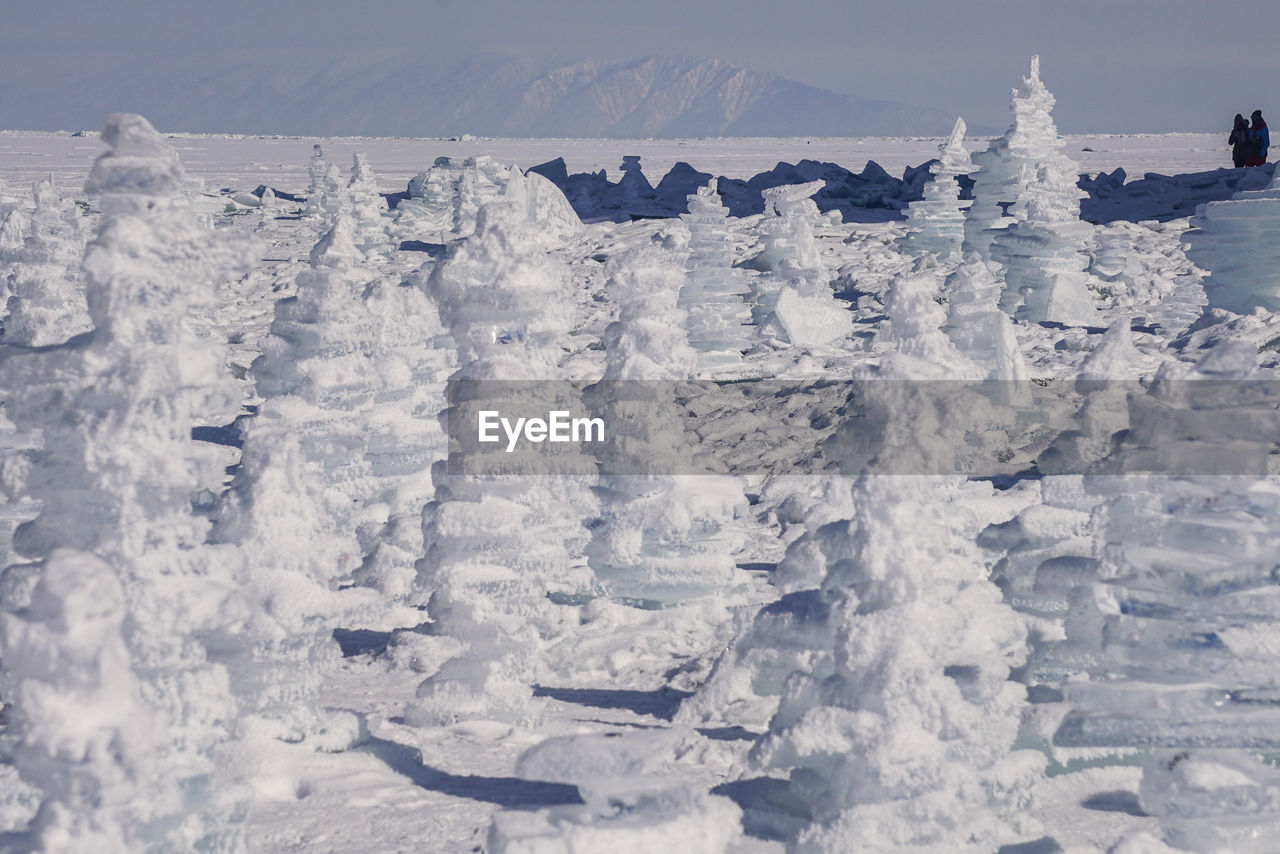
[{"x": 1249, "y": 143}]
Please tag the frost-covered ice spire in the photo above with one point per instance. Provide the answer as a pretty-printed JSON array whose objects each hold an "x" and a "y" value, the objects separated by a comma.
[
  {"x": 317, "y": 378},
  {"x": 317, "y": 168},
  {"x": 1025, "y": 218},
  {"x": 126, "y": 479},
  {"x": 1012, "y": 162},
  {"x": 119, "y": 467},
  {"x": 498, "y": 543},
  {"x": 712, "y": 294},
  {"x": 936, "y": 223},
  {"x": 47, "y": 304},
  {"x": 414, "y": 357},
  {"x": 84, "y": 737},
  {"x": 904, "y": 740},
  {"x": 369, "y": 208},
  {"x": 299, "y": 497},
  {"x": 664, "y": 536}
]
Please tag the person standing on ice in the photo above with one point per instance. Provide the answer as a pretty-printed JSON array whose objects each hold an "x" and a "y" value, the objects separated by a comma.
[
  {"x": 1239, "y": 141},
  {"x": 1260, "y": 138}
]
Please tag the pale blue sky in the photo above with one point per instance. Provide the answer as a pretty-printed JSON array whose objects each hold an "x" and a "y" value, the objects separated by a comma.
[{"x": 1115, "y": 65}]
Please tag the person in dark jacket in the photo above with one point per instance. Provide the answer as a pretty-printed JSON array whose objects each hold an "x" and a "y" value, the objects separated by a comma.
[
  {"x": 1260, "y": 138},
  {"x": 1239, "y": 141}
]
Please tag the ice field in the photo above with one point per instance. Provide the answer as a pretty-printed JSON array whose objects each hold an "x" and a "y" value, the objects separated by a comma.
[{"x": 245, "y": 605}]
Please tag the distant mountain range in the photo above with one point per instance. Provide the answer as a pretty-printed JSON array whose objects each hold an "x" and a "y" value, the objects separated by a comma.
[{"x": 402, "y": 96}]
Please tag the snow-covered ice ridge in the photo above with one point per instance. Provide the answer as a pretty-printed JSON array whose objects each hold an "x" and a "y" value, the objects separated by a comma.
[{"x": 249, "y": 602}]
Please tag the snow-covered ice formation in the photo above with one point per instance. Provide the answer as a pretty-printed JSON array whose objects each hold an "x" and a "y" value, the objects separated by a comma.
[
  {"x": 315, "y": 375},
  {"x": 1008, "y": 163},
  {"x": 498, "y": 543},
  {"x": 1187, "y": 608},
  {"x": 936, "y": 223},
  {"x": 1234, "y": 241},
  {"x": 47, "y": 301},
  {"x": 84, "y": 737},
  {"x": 712, "y": 295},
  {"x": 334, "y": 199},
  {"x": 15, "y": 223},
  {"x": 317, "y": 167},
  {"x": 333, "y": 469},
  {"x": 1106, "y": 378},
  {"x": 1025, "y": 216},
  {"x": 980, "y": 331},
  {"x": 605, "y": 667},
  {"x": 903, "y": 420},
  {"x": 664, "y": 536},
  {"x": 1041, "y": 253},
  {"x": 907, "y": 741},
  {"x": 119, "y": 468},
  {"x": 787, "y": 234},
  {"x": 1048, "y": 566},
  {"x": 795, "y": 301},
  {"x": 915, "y": 328},
  {"x": 279, "y": 647},
  {"x": 445, "y": 200},
  {"x": 1161, "y": 287},
  {"x": 369, "y": 209},
  {"x": 413, "y": 358}
]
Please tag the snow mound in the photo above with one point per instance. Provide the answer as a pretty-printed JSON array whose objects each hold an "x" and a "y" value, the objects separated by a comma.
[{"x": 630, "y": 805}]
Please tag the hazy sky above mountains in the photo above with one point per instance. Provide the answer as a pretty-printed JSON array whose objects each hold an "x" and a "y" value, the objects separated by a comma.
[{"x": 1114, "y": 65}]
